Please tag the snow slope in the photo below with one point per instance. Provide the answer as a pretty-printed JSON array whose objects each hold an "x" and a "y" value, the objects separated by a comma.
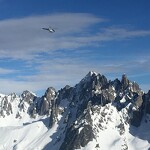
[
  {"x": 29, "y": 134},
  {"x": 109, "y": 136},
  {"x": 95, "y": 114},
  {"x": 32, "y": 134}
]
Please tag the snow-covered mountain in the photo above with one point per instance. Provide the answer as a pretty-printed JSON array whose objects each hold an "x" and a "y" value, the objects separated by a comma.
[{"x": 95, "y": 114}]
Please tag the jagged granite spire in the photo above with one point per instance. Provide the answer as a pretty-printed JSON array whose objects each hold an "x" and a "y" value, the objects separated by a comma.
[{"x": 83, "y": 111}]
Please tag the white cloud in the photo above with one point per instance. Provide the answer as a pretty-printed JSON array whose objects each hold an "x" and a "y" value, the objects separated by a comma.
[
  {"x": 6, "y": 71},
  {"x": 62, "y": 71},
  {"x": 23, "y": 38},
  {"x": 8, "y": 86}
]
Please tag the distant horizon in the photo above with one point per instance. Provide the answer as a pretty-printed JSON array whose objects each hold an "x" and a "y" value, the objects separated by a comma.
[{"x": 42, "y": 92}]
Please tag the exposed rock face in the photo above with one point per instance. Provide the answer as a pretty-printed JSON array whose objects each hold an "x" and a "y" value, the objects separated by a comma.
[
  {"x": 29, "y": 103},
  {"x": 50, "y": 95},
  {"x": 48, "y": 101},
  {"x": 6, "y": 104},
  {"x": 49, "y": 105},
  {"x": 28, "y": 97},
  {"x": 94, "y": 90},
  {"x": 124, "y": 82},
  {"x": 64, "y": 93},
  {"x": 146, "y": 98},
  {"x": 74, "y": 139},
  {"x": 53, "y": 117},
  {"x": 94, "y": 96}
]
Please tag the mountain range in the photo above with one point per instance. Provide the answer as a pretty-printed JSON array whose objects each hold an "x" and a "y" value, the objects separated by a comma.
[{"x": 95, "y": 114}]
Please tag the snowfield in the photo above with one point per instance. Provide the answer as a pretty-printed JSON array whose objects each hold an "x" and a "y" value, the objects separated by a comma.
[
  {"x": 34, "y": 134},
  {"x": 95, "y": 114}
]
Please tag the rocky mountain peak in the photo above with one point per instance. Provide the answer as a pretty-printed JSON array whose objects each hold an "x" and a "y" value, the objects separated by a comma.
[
  {"x": 50, "y": 94},
  {"x": 84, "y": 111},
  {"x": 124, "y": 81},
  {"x": 28, "y": 96}
]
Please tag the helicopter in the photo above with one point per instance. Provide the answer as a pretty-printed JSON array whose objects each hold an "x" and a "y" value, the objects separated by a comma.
[{"x": 50, "y": 29}]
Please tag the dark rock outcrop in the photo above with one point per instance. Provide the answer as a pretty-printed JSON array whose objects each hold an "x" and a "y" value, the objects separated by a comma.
[
  {"x": 77, "y": 105},
  {"x": 93, "y": 90},
  {"x": 48, "y": 101},
  {"x": 124, "y": 82},
  {"x": 74, "y": 139}
]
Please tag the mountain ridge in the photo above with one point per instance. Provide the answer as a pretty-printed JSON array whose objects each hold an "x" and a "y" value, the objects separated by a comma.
[{"x": 83, "y": 112}]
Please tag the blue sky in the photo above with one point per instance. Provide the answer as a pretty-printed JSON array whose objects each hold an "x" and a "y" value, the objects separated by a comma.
[{"x": 109, "y": 37}]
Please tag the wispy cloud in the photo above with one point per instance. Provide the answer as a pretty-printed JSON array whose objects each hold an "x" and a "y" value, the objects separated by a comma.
[
  {"x": 8, "y": 86},
  {"x": 23, "y": 38},
  {"x": 61, "y": 71},
  {"x": 6, "y": 71},
  {"x": 44, "y": 56}
]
